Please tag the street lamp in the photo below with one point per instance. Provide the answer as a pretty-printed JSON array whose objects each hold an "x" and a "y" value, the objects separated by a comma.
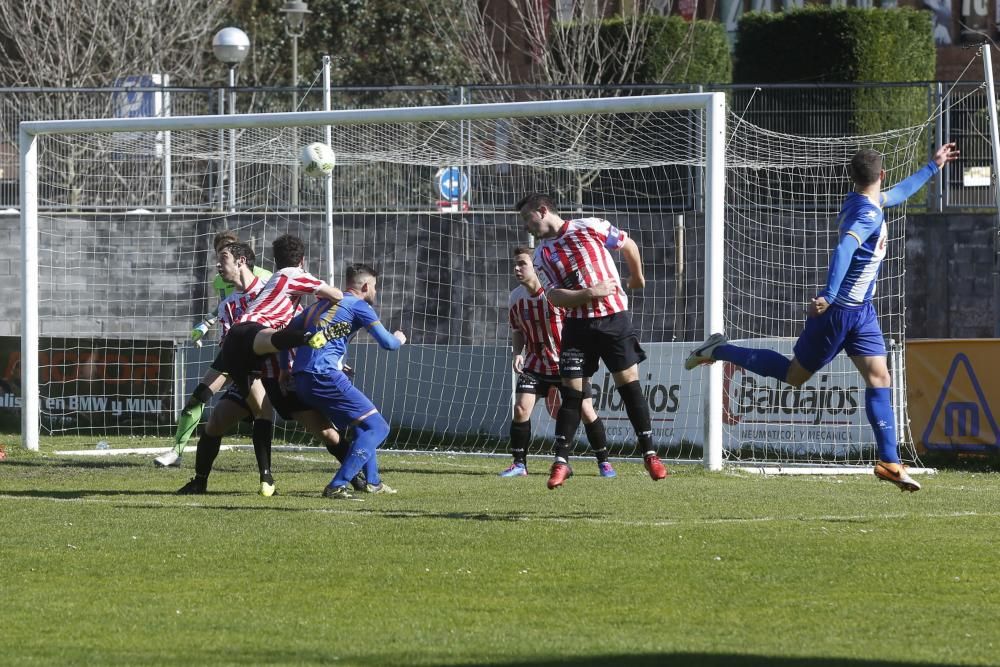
[
  {"x": 295, "y": 12},
  {"x": 231, "y": 46}
]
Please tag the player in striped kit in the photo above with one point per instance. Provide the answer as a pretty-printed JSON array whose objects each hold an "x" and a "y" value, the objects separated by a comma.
[
  {"x": 579, "y": 275},
  {"x": 257, "y": 334},
  {"x": 214, "y": 379},
  {"x": 841, "y": 316},
  {"x": 536, "y": 329},
  {"x": 235, "y": 262}
]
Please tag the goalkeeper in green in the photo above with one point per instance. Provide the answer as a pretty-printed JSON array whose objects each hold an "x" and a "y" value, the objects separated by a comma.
[{"x": 213, "y": 380}]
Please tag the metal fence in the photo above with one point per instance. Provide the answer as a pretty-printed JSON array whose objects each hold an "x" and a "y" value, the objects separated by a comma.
[{"x": 819, "y": 110}]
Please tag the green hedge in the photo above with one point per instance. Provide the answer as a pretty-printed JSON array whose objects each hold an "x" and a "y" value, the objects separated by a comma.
[
  {"x": 819, "y": 44},
  {"x": 675, "y": 52}
]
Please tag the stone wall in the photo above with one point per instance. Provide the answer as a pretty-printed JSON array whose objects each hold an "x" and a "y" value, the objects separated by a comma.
[
  {"x": 446, "y": 278},
  {"x": 950, "y": 276}
]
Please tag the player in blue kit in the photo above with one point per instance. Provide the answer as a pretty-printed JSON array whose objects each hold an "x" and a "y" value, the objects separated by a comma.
[
  {"x": 318, "y": 371},
  {"x": 841, "y": 316}
]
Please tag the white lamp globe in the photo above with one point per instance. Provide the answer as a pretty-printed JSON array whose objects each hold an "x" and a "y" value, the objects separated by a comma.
[{"x": 231, "y": 45}]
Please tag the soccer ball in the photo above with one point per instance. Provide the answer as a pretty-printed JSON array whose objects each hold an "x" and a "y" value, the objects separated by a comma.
[{"x": 317, "y": 160}]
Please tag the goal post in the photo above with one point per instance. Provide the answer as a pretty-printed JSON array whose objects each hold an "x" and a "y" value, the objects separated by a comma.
[
  {"x": 711, "y": 105},
  {"x": 758, "y": 211}
]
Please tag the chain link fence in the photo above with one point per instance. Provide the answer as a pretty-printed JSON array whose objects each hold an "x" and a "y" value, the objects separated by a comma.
[{"x": 808, "y": 110}]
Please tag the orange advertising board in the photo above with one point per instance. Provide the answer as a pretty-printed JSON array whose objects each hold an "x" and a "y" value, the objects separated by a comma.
[{"x": 953, "y": 394}]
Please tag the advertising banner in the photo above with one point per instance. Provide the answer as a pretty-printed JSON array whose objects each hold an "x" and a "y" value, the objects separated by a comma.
[
  {"x": 954, "y": 394},
  {"x": 823, "y": 417},
  {"x": 87, "y": 383}
]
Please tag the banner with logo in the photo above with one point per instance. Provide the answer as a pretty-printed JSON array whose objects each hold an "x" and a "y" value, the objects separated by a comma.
[
  {"x": 823, "y": 417},
  {"x": 111, "y": 384},
  {"x": 954, "y": 394}
]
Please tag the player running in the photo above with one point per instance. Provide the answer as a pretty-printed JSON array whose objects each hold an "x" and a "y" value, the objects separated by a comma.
[{"x": 842, "y": 316}]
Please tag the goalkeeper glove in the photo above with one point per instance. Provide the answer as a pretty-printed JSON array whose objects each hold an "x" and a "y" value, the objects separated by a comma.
[{"x": 199, "y": 331}]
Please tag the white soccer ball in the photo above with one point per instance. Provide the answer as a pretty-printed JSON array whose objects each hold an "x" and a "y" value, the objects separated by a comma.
[{"x": 317, "y": 160}]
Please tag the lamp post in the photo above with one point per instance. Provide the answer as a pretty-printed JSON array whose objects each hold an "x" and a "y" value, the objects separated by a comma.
[
  {"x": 231, "y": 46},
  {"x": 295, "y": 12}
]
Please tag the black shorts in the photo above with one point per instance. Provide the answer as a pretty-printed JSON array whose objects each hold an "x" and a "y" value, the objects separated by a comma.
[
  {"x": 588, "y": 341},
  {"x": 285, "y": 405},
  {"x": 217, "y": 363},
  {"x": 238, "y": 358},
  {"x": 536, "y": 383}
]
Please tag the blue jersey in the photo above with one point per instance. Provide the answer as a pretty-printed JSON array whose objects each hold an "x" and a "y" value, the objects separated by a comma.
[
  {"x": 346, "y": 316},
  {"x": 863, "y": 238}
]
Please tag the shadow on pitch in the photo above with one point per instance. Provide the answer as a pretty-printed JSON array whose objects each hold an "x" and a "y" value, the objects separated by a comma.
[
  {"x": 78, "y": 463},
  {"x": 77, "y": 494},
  {"x": 684, "y": 660}
]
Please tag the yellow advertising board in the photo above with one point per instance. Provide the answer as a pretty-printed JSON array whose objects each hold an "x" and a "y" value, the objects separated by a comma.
[{"x": 953, "y": 394}]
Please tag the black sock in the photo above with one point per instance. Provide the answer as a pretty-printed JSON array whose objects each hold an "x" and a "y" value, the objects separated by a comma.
[
  {"x": 339, "y": 450},
  {"x": 520, "y": 437},
  {"x": 287, "y": 338},
  {"x": 567, "y": 421},
  {"x": 263, "y": 431},
  {"x": 638, "y": 414},
  {"x": 598, "y": 439},
  {"x": 208, "y": 449},
  {"x": 200, "y": 396}
]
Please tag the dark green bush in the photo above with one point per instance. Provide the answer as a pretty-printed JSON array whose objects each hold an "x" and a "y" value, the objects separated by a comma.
[{"x": 819, "y": 44}]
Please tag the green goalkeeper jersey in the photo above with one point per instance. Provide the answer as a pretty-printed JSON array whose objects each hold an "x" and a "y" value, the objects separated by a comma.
[{"x": 224, "y": 289}]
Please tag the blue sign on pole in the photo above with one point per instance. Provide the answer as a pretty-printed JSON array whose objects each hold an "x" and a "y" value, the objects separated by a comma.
[{"x": 453, "y": 183}]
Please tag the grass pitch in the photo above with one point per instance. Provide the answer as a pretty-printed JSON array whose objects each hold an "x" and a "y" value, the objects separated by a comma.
[{"x": 103, "y": 565}]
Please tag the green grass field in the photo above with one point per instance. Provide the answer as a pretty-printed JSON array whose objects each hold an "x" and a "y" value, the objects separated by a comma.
[{"x": 103, "y": 565}]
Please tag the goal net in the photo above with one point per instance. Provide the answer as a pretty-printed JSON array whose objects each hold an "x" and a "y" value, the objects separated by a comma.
[{"x": 735, "y": 227}]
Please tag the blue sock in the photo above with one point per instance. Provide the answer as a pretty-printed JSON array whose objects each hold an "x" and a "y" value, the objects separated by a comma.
[
  {"x": 368, "y": 435},
  {"x": 878, "y": 407},
  {"x": 762, "y": 362}
]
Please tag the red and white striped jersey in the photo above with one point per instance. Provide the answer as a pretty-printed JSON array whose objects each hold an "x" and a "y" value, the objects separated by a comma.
[
  {"x": 235, "y": 304},
  {"x": 578, "y": 258},
  {"x": 275, "y": 305},
  {"x": 541, "y": 324}
]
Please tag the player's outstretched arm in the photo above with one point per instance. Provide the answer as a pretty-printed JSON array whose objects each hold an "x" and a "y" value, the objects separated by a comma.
[
  {"x": 946, "y": 153},
  {"x": 386, "y": 340},
  {"x": 908, "y": 186}
]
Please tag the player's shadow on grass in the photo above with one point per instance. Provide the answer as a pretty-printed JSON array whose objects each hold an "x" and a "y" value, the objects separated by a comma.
[
  {"x": 76, "y": 494},
  {"x": 510, "y": 515},
  {"x": 464, "y": 472},
  {"x": 711, "y": 660},
  {"x": 91, "y": 464}
]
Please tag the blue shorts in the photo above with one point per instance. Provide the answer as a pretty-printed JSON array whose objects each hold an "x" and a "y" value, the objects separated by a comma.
[
  {"x": 853, "y": 330},
  {"x": 335, "y": 396}
]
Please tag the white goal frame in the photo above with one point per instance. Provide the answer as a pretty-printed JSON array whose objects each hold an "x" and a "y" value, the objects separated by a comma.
[{"x": 712, "y": 105}]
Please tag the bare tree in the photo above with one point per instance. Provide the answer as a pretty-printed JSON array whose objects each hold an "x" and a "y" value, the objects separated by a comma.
[
  {"x": 72, "y": 44},
  {"x": 564, "y": 47},
  {"x": 563, "y": 43},
  {"x": 62, "y": 43}
]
